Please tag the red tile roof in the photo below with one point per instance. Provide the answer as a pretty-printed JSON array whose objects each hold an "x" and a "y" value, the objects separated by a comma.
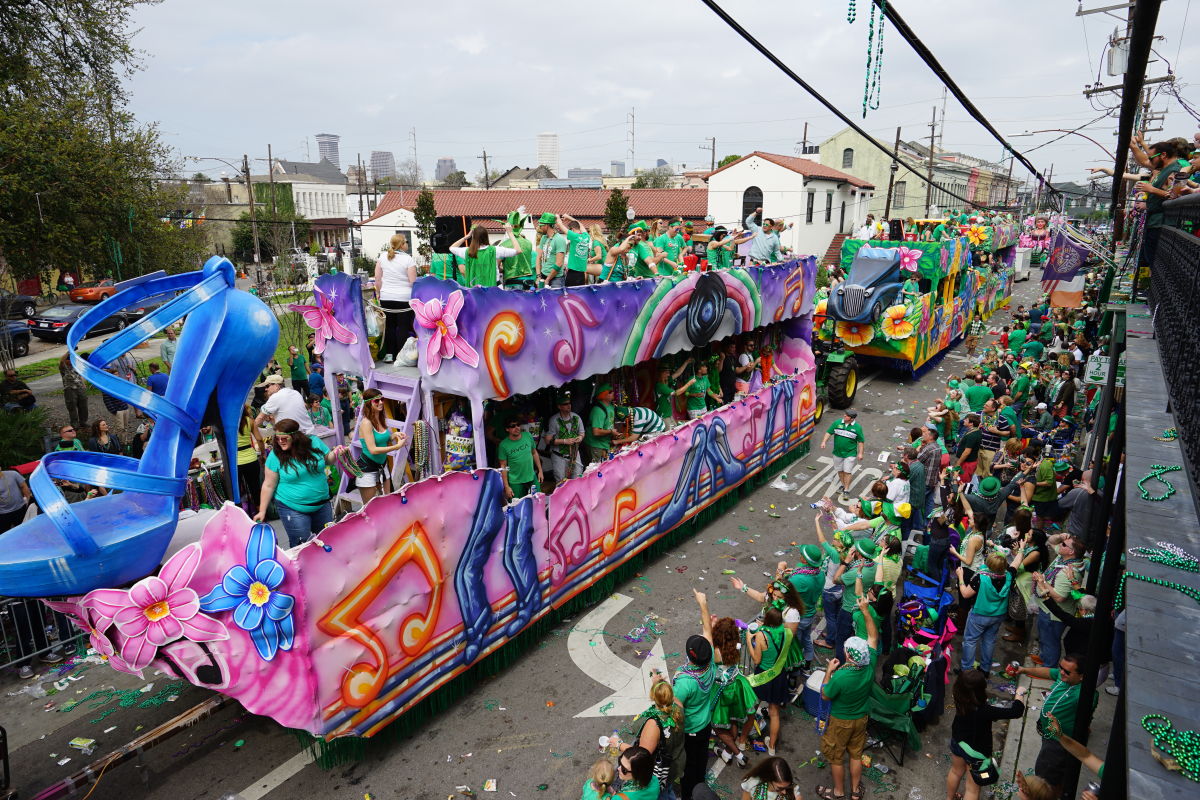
[
  {"x": 803, "y": 166},
  {"x": 583, "y": 204}
]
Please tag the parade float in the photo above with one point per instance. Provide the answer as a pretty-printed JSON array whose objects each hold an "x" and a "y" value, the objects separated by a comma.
[
  {"x": 398, "y": 607},
  {"x": 870, "y": 315}
]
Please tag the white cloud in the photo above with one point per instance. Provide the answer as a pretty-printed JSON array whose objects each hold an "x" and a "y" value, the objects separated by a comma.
[{"x": 473, "y": 44}]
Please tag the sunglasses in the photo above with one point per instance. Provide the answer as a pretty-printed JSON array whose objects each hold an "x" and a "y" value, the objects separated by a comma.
[
  {"x": 622, "y": 767},
  {"x": 376, "y": 399},
  {"x": 283, "y": 437},
  {"x": 68, "y": 430}
]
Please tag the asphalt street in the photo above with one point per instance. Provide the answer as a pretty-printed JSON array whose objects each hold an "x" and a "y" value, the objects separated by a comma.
[{"x": 523, "y": 728}]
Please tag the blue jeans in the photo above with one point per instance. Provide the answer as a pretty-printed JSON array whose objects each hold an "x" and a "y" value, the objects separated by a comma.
[
  {"x": 831, "y": 603},
  {"x": 930, "y": 494},
  {"x": 1050, "y": 631},
  {"x": 804, "y": 634},
  {"x": 980, "y": 639},
  {"x": 301, "y": 526}
]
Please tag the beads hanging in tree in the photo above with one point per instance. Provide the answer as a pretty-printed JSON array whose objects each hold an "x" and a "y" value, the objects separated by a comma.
[
  {"x": 871, "y": 91},
  {"x": 851, "y": 13}
]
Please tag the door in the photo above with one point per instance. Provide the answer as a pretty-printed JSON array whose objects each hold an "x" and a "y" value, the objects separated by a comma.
[{"x": 842, "y": 219}]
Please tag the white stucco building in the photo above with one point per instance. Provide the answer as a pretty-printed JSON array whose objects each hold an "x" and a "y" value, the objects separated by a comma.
[{"x": 820, "y": 201}]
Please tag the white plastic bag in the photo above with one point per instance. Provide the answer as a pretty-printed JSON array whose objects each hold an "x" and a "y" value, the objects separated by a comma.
[
  {"x": 408, "y": 353},
  {"x": 372, "y": 322}
]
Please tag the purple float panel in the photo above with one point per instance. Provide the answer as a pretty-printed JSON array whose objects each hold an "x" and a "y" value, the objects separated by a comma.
[{"x": 486, "y": 343}]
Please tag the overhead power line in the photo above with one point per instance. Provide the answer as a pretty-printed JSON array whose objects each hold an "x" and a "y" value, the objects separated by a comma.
[
  {"x": 786, "y": 70},
  {"x": 914, "y": 41}
]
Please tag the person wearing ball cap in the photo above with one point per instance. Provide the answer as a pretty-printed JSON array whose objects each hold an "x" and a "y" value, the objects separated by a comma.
[
  {"x": 552, "y": 252},
  {"x": 697, "y": 692},
  {"x": 847, "y": 687},
  {"x": 857, "y": 569},
  {"x": 643, "y": 259},
  {"x": 808, "y": 580}
]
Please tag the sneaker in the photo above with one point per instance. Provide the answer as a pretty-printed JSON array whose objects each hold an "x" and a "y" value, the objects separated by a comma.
[
  {"x": 54, "y": 656},
  {"x": 1112, "y": 690},
  {"x": 741, "y": 760},
  {"x": 25, "y": 673},
  {"x": 389, "y": 358},
  {"x": 770, "y": 748},
  {"x": 725, "y": 756}
]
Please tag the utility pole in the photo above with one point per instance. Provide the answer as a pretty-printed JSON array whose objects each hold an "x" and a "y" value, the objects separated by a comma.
[
  {"x": 887, "y": 208},
  {"x": 1008, "y": 181},
  {"x": 804, "y": 141},
  {"x": 929, "y": 169},
  {"x": 631, "y": 118},
  {"x": 712, "y": 146},
  {"x": 250, "y": 193},
  {"x": 271, "y": 178},
  {"x": 361, "y": 188},
  {"x": 942, "y": 126},
  {"x": 487, "y": 178}
]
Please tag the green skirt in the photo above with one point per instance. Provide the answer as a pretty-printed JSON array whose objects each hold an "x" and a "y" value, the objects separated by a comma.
[{"x": 735, "y": 704}]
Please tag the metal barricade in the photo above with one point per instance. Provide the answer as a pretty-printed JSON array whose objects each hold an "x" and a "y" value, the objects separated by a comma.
[{"x": 29, "y": 629}]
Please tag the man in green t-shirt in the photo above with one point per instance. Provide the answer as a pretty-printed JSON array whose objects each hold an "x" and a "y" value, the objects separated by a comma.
[
  {"x": 848, "y": 447},
  {"x": 601, "y": 435},
  {"x": 643, "y": 260},
  {"x": 552, "y": 252},
  {"x": 1045, "y": 490},
  {"x": 847, "y": 687},
  {"x": 1063, "y": 704},
  {"x": 1016, "y": 339},
  {"x": 808, "y": 579},
  {"x": 1020, "y": 390},
  {"x": 519, "y": 461},
  {"x": 670, "y": 243},
  {"x": 697, "y": 390},
  {"x": 579, "y": 249},
  {"x": 697, "y": 692},
  {"x": 976, "y": 392}
]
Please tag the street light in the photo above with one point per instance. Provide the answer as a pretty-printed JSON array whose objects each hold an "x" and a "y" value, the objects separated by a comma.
[{"x": 1073, "y": 133}]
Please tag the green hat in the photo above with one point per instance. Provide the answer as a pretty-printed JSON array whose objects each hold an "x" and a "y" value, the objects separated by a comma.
[
  {"x": 639, "y": 224},
  {"x": 547, "y": 218},
  {"x": 952, "y": 384},
  {"x": 989, "y": 487},
  {"x": 1061, "y": 466},
  {"x": 563, "y": 397},
  {"x": 517, "y": 220},
  {"x": 866, "y": 548},
  {"x": 811, "y": 554},
  {"x": 602, "y": 388}
]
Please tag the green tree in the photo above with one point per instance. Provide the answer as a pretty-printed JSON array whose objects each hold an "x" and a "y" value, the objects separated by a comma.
[
  {"x": 426, "y": 215},
  {"x": 457, "y": 178},
  {"x": 614, "y": 215},
  {"x": 276, "y": 232},
  {"x": 727, "y": 160},
  {"x": 200, "y": 177},
  {"x": 656, "y": 178},
  {"x": 487, "y": 179}
]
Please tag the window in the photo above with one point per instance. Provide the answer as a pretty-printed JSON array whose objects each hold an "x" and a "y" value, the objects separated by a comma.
[
  {"x": 752, "y": 198},
  {"x": 808, "y": 212},
  {"x": 848, "y": 158},
  {"x": 828, "y": 207},
  {"x": 898, "y": 194}
]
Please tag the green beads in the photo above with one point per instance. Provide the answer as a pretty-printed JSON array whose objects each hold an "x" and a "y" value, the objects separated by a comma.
[
  {"x": 1156, "y": 474},
  {"x": 1183, "y": 746}
]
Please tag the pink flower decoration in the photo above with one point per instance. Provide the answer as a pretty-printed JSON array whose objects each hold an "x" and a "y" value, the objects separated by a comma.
[
  {"x": 444, "y": 341},
  {"x": 909, "y": 258},
  {"x": 90, "y": 622},
  {"x": 320, "y": 319},
  {"x": 156, "y": 611}
]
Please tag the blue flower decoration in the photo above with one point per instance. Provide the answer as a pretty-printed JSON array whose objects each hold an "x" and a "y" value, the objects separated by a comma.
[{"x": 249, "y": 592}]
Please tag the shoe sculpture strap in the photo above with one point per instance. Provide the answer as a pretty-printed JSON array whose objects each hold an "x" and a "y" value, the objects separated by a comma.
[
  {"x": 94, "y": 469},
  {"x": 92, "y": 369}
]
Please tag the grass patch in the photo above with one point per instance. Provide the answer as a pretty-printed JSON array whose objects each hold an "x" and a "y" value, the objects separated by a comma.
[{"x": 38, "y": 369}]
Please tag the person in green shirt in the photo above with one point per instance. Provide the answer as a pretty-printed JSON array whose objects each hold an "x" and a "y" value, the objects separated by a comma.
[
  {"x": 518, "y": 270},
  {"x": 1045, "y": 490},
  {"x": 579, "y": 249},
  {"x": 697, "y": 389},
  {"x": 847, "y": 686},
  {"x": 564, "y": 434},
  {"x": 910, "y": 291},
  {"x": 1063, "y": 705},
  {"x": 723, "y": 245},
  {"x": 552, "y": 252},
  {"x": 298, "y": 369},
  {"x": 697, "y": 692},
  {"x": 670, "y": 243},
  {"x": 600, "y": 436},
  {"x": 977, "y": 393},
  {"x": 808, "y": 579},
  {"x": 1020, "y": 390},
  {"x": 1016, "y": 339},
  {"x": 295, "y": 478},
  {"x": 479, "y": 261},
  {"x": 641, "y": 255},
  {"x": 635, "y": 767},
  {"x": 1033, "y": 350},
  {"x": 664, "y": 395},
  {"x": 519, "y": 461},
  {"x": 849, "y": 444}
]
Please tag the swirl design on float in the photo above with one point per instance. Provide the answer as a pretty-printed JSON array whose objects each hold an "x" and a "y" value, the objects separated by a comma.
[
  {"x": 568, "y": 354},
  {"x": 626, "y": 500},
  {"x": 705, "y": 309},
  {"x": 563, "y": 556},
  {"x": 505, "y": 335}
]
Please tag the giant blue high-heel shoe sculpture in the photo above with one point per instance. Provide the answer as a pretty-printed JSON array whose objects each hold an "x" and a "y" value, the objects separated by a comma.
[{"x": 109, "y": 540}]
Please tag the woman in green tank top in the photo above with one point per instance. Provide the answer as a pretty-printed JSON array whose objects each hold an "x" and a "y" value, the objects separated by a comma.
[
  {"x": 766, "y": 647},
  {"x": 480, "y": 259},
  {"x": 376, "y": 441}
]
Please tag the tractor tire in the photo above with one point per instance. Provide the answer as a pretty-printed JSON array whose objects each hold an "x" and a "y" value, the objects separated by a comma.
[
  {"x": 842, "y": 383},
  {"x": 819, "y": 410}
]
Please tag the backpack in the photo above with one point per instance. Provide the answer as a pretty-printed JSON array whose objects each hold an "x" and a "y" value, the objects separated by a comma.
[{"x": 668, "y": 756}]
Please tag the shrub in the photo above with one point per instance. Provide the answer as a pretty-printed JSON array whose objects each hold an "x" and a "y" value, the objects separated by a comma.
[{"x": 22, "y": 436}]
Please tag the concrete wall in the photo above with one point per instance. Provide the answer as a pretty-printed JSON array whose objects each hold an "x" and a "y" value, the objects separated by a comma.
[{"x": 785, "y": 194}]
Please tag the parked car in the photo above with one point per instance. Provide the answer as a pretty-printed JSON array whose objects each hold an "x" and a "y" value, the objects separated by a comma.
[
  {"x": 53, "y": 323},
  {"x": 17, "y": 305},
  {"x": 132, "y": 315},
  {"x": 93, "y": 291},
  {"x": 872, "y": 284},
  {"x": 14, "y": 337}
]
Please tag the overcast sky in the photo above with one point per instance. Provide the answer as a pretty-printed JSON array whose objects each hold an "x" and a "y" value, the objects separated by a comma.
[{"x": 230, "y": 77}]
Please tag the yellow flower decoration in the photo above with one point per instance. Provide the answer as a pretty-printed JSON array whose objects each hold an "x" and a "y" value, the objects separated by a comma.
[
  {"x": 977, "y": 234},
  {"x": 855, "y": 334},
  {"x": 821, "y": 305},
  {"x": 895, "y": 323}
]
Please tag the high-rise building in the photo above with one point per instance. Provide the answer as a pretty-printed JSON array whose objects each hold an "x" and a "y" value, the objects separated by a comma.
[
  {"x": 327, "y": 146},
  {"x": 616, "y": 169},
  {"x": 662, "y": 162},
  {"x": 445, "y": 165},
  {"x": 584, "y": 172},
  {"x": 383, "y": 165},
  {"x": 547, "y": 151}
]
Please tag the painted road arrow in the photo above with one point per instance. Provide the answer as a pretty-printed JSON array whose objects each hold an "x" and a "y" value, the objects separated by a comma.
[{"x": 630, "y": 684}]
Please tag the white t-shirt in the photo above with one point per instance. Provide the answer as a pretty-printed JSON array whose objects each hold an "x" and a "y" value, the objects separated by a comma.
[
  {"x": 791, "y": 616},
  {"x": 394, "y": 283},
  {"x": 898, "y": 490},
  {"x": 11, "y": 497},
  {"x": 288, "y": 404}
]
